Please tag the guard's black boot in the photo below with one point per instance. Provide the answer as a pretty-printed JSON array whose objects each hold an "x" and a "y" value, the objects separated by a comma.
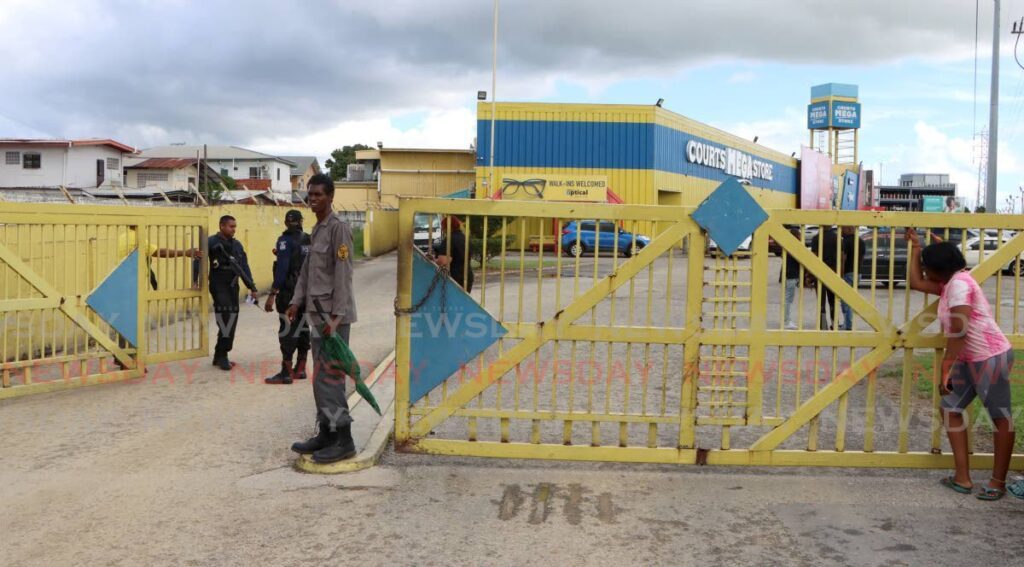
[
  {"x": 340, "y": 449},
  {"x": 299, "y": 372},
  {"x": 282, "y": 377},
  {"x": 220, "y": 360},
  {"x": 324, "y": 437}
]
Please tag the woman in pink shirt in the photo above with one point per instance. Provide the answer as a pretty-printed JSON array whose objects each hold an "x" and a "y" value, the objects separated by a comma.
[{"x": 977, "y": 360}]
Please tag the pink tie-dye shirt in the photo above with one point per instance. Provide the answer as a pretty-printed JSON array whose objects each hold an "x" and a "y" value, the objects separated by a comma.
[{"x": 984, "y": 338}]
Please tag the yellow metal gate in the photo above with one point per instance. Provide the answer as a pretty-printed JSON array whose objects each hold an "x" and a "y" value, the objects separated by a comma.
[
  {"x": 52, "y": 257},
  {"x": 664, "y": 351}
]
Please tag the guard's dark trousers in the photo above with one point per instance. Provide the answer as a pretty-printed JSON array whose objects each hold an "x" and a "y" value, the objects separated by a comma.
[
  {"x": 224, "y": 289},
  {"x": 328, "y": 387},
  {"x": 292, "y": 335}
]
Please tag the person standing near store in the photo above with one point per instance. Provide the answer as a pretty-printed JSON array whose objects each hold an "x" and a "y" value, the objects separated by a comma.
[
  {"x": 453, "y": 254},
  {"x": 825, "y": 245},
  {"x": 325, "y": 281},
  {"x": 228, "y": 264},
  {"x": 852, "y": 255},
  {"x": 290, "y": 251},
  {"x": 792, "y": 283}
]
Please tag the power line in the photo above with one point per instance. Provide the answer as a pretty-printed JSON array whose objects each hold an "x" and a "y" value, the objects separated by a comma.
[{"x": 1018, "y": 30}]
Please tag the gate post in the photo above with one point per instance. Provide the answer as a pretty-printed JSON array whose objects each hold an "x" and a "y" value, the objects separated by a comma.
[
  {"x": 142, "y": 283},
  {"x": 696, "y": 243},
  {"x": 758, "y": 324},
  {"x": 403, "y": 322}
]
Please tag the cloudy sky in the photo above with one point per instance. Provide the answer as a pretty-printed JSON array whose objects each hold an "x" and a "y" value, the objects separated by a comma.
[{"x": 304, "y": 77}]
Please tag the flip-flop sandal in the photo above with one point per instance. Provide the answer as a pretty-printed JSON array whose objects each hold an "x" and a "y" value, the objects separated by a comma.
[
  {"x": 989, "y": 493},
  {"x": 1016, "y": 489},
  {"x": 948, "y": 482}
]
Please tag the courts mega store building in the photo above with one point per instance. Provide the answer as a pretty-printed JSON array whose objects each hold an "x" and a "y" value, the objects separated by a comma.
[{"x": 647, "y": 155}]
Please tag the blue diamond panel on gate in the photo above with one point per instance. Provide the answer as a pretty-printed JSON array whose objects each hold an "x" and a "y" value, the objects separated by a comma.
[
  {"x": 729, "y": 215},
  {"x": 116, "y": 299},
  {"x": 443, "y": 336}
]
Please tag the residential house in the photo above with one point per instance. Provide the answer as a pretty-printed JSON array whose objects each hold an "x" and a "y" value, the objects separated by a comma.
[
  {"x": 167, "y": 174},
  {"x": 73, "y": 164},
  {"x": 250, "y": 169},
  {"x": 304, "y": 168}
]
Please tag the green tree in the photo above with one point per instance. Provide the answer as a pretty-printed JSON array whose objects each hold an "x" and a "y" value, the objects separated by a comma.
[
  {"x": 494, "y": 236},
  {"x": 337, "y": 164},
  {"x": 213, "y": 190}
]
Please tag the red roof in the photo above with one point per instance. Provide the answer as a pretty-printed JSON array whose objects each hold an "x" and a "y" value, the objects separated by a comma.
[
  {"x": 164, "y": 163},
  {"x": 64, "y": 143}
]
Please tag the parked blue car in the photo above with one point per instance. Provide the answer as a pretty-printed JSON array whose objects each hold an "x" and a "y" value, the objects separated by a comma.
[{"x": 581, "y": 237}]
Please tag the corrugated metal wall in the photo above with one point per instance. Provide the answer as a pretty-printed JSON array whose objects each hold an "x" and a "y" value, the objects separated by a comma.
[
  {"x": 641, "y": 149},
  {"x": 409, "y": 174}
]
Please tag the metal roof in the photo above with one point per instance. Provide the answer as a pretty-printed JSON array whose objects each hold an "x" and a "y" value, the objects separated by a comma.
[
  {"x": 302, "y": 163},
  {"x": 216, "y": 153},
  {"x": 65, "y": 143},
  {"x": 163, "y": 163}
]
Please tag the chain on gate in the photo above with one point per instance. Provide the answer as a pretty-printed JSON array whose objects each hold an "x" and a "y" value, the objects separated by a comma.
[{"x": 440, "y": 277}]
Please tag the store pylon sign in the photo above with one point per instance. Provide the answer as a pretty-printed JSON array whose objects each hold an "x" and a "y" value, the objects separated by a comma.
[{"x": 833, "y": 114}]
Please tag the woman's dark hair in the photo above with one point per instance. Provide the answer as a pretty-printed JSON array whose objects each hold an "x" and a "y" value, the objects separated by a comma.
[
  {"x": 323, "y": 180},
  {"x": 943, "y": 258}
]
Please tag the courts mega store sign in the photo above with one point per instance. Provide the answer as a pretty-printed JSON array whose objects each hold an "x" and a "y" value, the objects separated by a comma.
[{"x": 731, "y": 161}]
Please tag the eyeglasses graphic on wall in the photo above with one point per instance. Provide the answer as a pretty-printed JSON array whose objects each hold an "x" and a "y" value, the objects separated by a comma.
[{"x": 532, "y": 187}]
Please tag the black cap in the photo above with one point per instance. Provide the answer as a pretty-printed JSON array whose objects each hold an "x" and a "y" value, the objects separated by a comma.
[{"x": 293, "y": 216}]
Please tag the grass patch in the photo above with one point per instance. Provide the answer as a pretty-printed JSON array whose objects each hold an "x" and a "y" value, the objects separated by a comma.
[
  {"x": 922, "y": 373},
  {"x": 357, "y": 242},
  {"x": 528, "y": 263}
]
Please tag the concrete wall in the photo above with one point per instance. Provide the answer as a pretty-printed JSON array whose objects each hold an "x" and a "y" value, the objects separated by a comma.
[
  {"x": 355, "y": 196},
  {"x": 82, "y": 166},
  {"x": 380, "y": 235}
]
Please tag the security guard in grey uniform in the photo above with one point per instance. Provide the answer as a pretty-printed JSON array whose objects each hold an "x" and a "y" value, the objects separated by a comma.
[{"x": 326, "y": 280}]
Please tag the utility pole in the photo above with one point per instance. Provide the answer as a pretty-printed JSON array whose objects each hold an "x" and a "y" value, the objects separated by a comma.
[
  {"x": 993, "y": 116},
  {"x": 494, "y": 100}
]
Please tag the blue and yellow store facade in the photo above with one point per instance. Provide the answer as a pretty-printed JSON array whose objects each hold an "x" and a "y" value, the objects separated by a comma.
[{"x": 647, "y": 154}]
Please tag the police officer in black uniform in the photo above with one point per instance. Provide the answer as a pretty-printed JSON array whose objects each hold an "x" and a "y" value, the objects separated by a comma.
[
  {"x": 228, "y": 264},
  {"x": 291, "y": 250}
]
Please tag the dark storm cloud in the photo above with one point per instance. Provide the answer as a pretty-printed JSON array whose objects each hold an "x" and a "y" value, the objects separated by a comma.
[{"x": 156, "y": 71}]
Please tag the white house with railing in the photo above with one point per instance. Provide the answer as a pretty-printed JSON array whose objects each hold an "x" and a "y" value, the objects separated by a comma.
[{"x": 250, "y": 169}]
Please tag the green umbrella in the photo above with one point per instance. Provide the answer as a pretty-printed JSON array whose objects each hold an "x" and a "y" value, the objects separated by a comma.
[{"x": 337, "y": 357}]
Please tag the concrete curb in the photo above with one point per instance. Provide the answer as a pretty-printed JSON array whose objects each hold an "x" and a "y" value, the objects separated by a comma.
[{"x": 370, "y": 453}]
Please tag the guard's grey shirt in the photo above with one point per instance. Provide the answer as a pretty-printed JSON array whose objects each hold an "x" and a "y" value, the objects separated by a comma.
[{"x": 327, "y": 273}]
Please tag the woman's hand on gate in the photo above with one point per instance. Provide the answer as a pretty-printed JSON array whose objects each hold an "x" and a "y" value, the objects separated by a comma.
[{"x": 912, "y": 237}]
